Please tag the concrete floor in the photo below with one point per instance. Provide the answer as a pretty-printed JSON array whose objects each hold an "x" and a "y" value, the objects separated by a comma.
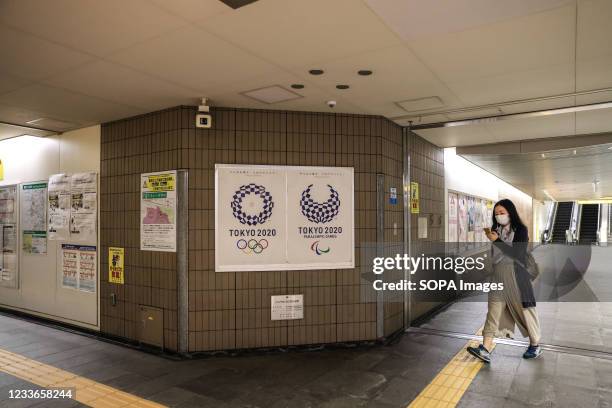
[
  {"x": 368, "y": 376},
  {"x": 580, "y": 318},
  {"x": 374, "y": 376}
]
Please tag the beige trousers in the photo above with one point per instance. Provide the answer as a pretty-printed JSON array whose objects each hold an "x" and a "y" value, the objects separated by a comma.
[
  {"x": 505, "y": 309},
  {"x": 500, "y": 322}
]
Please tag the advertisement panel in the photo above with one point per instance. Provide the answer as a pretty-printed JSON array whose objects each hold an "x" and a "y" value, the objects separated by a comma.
[
  {"x": 158, "y": 211},
  {"x": 116, "y": 271},
  {"x": 283, "y": 218}
]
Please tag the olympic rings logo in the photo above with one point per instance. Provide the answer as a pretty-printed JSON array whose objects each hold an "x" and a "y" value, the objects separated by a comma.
[{"x": 252, "y": 246}]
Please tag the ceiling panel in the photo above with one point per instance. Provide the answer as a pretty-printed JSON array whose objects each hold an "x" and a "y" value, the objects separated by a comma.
[
  {"x": 96, "y": 27},
  {"x": 458, "y": 135},
  {"x": 482, "y": 64},
  {"x": 305, "y": 34},
  {"x": 511, "y": 86},
  {"x": 416, "y": 18},
  {"x": 28, "y": 57},
  {"x": 194, "y": 59},
  {"x": 123, "y": 85},
  {"x": 595, "y": 121},
  {"x": 314, "y": 98},
  {"x": 563, "y": 174},
  {"x": 397, "y": 76},
  {"x": 10, "y": 82},
  {"x": 193, "y": 10},
  {"x": 594, "y": 54},
  {"x": 532, "y": 128},
  {"x": 65, "y": 105}
]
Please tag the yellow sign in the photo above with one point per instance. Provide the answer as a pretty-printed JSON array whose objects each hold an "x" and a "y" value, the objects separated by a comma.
[
  {"x": 116, "y": 271},
  {"x": 414, "y": 197},
  {"x": 160, "y": 182},
  {"x": 489, "y": 204},
  {"x": 1, "y": 171}
]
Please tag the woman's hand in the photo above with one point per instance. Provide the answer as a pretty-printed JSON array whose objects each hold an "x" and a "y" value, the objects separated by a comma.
[{"x": 492, "y": 235}]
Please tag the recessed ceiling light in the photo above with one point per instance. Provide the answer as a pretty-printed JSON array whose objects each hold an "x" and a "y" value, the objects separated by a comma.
[
  {"x": 316, "y": 72},
  {"x": 364, "y": 72},
  {"x": 342, "y": 86},
  {"x": 610, "y": 148},
  {"x": 297, "y": 86}
]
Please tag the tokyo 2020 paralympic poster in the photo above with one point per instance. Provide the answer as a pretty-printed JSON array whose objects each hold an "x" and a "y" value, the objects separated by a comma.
[{"x": 283, "y": 218}]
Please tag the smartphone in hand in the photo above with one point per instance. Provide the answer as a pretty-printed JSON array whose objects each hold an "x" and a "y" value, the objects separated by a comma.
[{"x": 487, "y": 230}]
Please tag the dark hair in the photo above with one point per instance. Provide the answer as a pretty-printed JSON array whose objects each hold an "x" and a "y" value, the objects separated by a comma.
[{"x": 515, "y": 219}]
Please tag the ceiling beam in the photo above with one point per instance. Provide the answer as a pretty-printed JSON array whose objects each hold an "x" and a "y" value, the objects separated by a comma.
[
  {"x": 541, "y": 145},
  {"x": 520, "y": 115}
]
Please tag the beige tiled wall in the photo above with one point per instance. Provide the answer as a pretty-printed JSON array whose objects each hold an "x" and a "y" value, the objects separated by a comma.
[
  {"x": 427, "y": 169},
  {"x": 232, "y": 310}
]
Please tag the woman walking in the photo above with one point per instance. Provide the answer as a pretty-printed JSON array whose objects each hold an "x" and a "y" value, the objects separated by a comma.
[{"x": 515, "y": 304}]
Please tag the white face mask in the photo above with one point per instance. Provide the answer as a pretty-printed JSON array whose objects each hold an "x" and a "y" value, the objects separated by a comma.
[{"x": 502, "y": 219}]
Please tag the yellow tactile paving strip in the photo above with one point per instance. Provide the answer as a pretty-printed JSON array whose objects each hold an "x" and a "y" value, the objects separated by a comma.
[
  {"x": 85, "y": 391},
  {"x": 447, "y": 388}
]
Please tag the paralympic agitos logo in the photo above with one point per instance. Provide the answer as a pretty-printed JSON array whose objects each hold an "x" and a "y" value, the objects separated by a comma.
[{"x": 318, "y": 250}]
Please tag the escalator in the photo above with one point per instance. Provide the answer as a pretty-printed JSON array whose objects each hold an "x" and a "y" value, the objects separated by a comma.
[
  {"x": 562, "y": 222},
  {"x": 589, "y": 223}
]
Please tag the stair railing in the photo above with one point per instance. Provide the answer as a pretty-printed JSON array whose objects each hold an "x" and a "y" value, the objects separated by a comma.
[
  {"x": 574, "y": 235},
  {"x": 599, "y": 226},
  {"x": 547, "y": 234}
]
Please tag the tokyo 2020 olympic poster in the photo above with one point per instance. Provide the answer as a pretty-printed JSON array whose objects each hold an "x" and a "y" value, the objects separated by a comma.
[{"x": 283, "y": 218}]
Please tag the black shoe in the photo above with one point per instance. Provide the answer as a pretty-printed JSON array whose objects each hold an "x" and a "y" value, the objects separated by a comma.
[
  {"x": 481, "y": 353},
  {"x": 532, "y": 352}
]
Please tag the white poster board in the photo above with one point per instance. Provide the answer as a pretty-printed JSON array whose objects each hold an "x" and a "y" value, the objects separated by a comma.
[
  {"x": 58, "y": 210},
  {"x": 78, "y": 265},
  {"x": 9, "y": 265},
  {"x": 158, "y": 211},
  {"x": 33, "y": 215},
  {"x": 84, "y": 206},
  {"x": 283, "y": 218}
]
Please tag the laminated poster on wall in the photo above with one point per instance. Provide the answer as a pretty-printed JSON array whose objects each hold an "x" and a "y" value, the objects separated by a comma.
[
  {"x": 462, "y": 218},
  {"x": 8, "y": 256},
  {"x": 116, "y": 270},
  {"x": 58, "y": 209},
  {"x": 452, "y": 217},
  {"x": 286, "y": 307},
  {"x": 84, "y": 206},
  {"x": 78, "y": 266},
  {"x": 283, "y": 218},
  {"x": 33, "y": 213},
  {"x": 8, "y": 200},
  {"x": 320, "y": 217},
  {"x": 486, "y": 221},
  {"x": 158, "y": 211},
  {"x": 8, "y": 237}
]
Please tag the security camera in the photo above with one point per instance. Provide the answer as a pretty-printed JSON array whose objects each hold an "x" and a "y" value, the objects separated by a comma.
[{"x": 331, "y": 104}]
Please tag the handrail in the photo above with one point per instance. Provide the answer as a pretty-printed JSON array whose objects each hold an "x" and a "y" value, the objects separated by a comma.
[
  {"x": 598, "y": 235},
  {"x": 575, "y": 222},
  {"x": 547, "y": 234}
]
